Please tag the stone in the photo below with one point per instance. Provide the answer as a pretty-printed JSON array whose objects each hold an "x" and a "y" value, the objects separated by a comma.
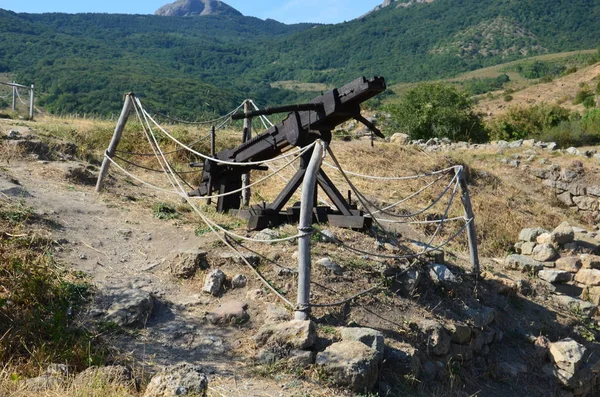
[
  {"x": 575, "y": 305},
  {"x": 481, "y": 317},
  {"x": 552, "y": 146},
  {"x": 407, "y": 282},
  {"x": 300, "y": 359},
  {"x": 330, "y": 265},
  {"x": 438, "y": 340},
  {"x": 588, "y": 277},
  {"x": 562, "y": 234},
  {"x": 130, "y": 307},
  {"x": 57, "y": 370},
  {"x": 544, "y": 238},
  {"x": 531, "y": 234},
  {"x": 213, "y": 282},
  {"x": 327, "y": 236},
  {"x": 178, "y": 380},
  {"x": 232, "y": 312},
  {"x": 568, "y": 356},
  {"x": 593, "y": 191},
  {"x": 370, "y": 337},
  {"x": 592, "y": 294},
  {"x": 519, "y": 247},
  {"x": 275, "y": 313},
  {"x": 527, "y": 248},
  {"x": 400, "y": 138},
  {"x": 441, "y": 274},
  {"x": 461, "y": 353},
  {"x": 404, "y": 359},
  {"x": 186, "y": 263},
  {"x": 117, "y": 375},
  {"x": 577, "y": 189},
  {"x": 590, "y": 261},
  {"x": 505, "y": 284},
  {"x": 555, "y": 276},
  {"x": 283, "y": 272},
  {"x": 515, "y": 144},
  {"x": 523, "y": 263},
  {"x": 461, "y": 333},
  {"x": 350, "y": 364},
  {"x": 570, "y": 264},
  {"x": 566, "y": 199},
  {"x": 558, "y": 185},
  {"x": 239, "y": 281},
  {"x": 544, "y": 253},
  {"x": 523, "y": 287},
  {"x": 294, "y": 334},
  {"x": 241, "y": 259},
  {"x": 529, "y": 142},
  {"x": 268, "y": 235},
  {"x": 586, "y": 203},
  {"x": 572, "y": 151},
  {"x": 587, "y": 243}
]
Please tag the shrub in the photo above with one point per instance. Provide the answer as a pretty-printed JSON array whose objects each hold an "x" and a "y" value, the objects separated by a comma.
[
  {"x": 437, "y": 110},
  {"x": 508, "y": 98},
  {"x": 520, "y": 122},
  {"x": 164, "y": 211},
  {"x": 582, "y": 95},
  {"x": 589, "y": 102}
]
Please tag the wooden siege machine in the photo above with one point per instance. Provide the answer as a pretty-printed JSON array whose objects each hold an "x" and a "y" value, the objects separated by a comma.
[{"x": 304, "y": 125}]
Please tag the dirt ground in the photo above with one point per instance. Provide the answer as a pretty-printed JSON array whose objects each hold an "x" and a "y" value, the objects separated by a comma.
[{"x": 115, "y": 239}]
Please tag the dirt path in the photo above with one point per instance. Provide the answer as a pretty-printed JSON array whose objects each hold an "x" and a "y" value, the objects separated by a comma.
[{"x": 119, "y": 244}]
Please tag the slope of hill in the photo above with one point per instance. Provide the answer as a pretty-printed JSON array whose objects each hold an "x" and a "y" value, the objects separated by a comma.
[{"x": 249, "y": 56}]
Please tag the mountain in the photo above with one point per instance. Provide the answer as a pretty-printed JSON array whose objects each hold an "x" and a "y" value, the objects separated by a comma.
[
  {"x": 186, "y": 8},
  {"x": 86, "y": 61}
]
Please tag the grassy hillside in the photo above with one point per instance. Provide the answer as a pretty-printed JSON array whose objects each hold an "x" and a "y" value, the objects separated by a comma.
[{"x": 85, "y": 62}]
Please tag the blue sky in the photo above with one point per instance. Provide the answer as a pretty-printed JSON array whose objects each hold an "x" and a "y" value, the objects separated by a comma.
[{"x": 287, "y": 11}]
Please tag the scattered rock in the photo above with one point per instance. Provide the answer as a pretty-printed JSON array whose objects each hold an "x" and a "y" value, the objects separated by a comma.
[
  {"x": 275, "y": 313},
  {"x": 562, "y": 234},
  {"x": 575, "y": 305},
  {"x": 523, "y": 263},
  {"x": 328, "y": 237},
  {"x": 186, "y": 263},
  {"x": 350, "y": 364},
  {"x": 461, "y": 353},
  {"x": 292, "y": 334},
  {"x": 404, "y": 359},
  {"x": 481, "y": 317},
  {"x": 555, "y": 276},
  {"x": 330, "y": 265},
  {"x": 232, "y": 312},
  {"x": 527, "y": 248},
  {"x": 438, "y": 340},
  {"x": 178, "y": 380},
  {"x": 590, "y": 261},
  {"x": 300, "y": 359},
  {"x": 239, "y": 281},
  {"x": 253, "y": 259},
  {"x": 570, "y": 264},
  {"x": 400, "y": 138},
  {"x": 268, "y": 235},
  {"x": 588, "y": 277},
  {"x": 531, "y": 234},
  {"x": 568, "y": 356},
  {"x": 566, "y": 199},
  {"x": 441, "y": 274},
  {"x": 213, "y": 282},
  {"x": 370, "y": 337},
  {"x": 461, "y": 333},
  {"x": 130, "y": 307},
  {"x": 544, "y": 253}
]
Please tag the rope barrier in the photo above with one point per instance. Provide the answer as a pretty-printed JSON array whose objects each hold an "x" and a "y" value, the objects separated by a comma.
[
  {"x": 150, "y": 169},
  {"x": 384, "y": 178},
  {"x": 240, "y": 164},
  {"x": 19, "y": 97},
  {"x": 166, "y": 153},
  {"x": 206, "y": 122}
]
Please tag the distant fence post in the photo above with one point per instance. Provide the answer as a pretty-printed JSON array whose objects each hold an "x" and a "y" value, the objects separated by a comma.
[
  {"x": 470, "y": 216},
  {"x": 31, "y": 102},
  {"x": 114, "y": 143},
  {"x": 14, "y": 98},
  {"x": 212, "y": 156},
  {"x": 247, "y": 136}
]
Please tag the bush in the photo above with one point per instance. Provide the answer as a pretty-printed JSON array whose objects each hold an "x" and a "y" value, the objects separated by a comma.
[
  {"x": 576, "y": 132},
  {"x": 589, "y": 102},
  {"x": 582, "y": 96},
  {"x": 436, "y": 110},
  {"x": 521, "y": 122},
  {"x": 508, "y": 98}
]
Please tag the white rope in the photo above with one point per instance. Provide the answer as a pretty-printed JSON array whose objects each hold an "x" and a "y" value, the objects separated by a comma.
[
  {"x": 215, "y": 159},
  {"x": 212, "y": 226},
  {"x": 401, "y": 178},
  {"x": 421, "y": 222},
  {"x": 19, "y": 96}
]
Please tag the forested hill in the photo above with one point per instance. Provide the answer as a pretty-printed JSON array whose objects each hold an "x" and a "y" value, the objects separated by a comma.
[{"x": 85, "y": 62}]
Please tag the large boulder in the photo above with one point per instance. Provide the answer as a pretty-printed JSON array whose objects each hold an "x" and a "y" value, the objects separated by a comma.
[
  {"x": 232, "y": 312},
  {"x": 588, "y": 277},
  {"x": 563, "y": 234},
  {"x": 178, "y": 380},
  {"x": 350, "y": 364},
  {"x": 531, "y": 234},
  {"x": 523, "y": 263},
  {"x": 568, "y": 356},
  {"x": 213, "y": 282},
  {"x": 544, "y": 253}
]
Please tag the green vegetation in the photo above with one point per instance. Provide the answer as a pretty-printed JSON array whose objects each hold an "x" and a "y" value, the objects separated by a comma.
[
  {"x": 484, "y": 85},
  {"x": 546, "y": 70},
  {"x": 548, "y": 123},
  {"x": 437, "y": 110},
  {"x": 197, "y": 67},
  {"x": 39, "y": 302},
  {"x": 164, "y": 211}
]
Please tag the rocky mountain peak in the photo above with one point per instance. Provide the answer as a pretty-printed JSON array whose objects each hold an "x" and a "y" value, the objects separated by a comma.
[{"x": 186, "y": 8}]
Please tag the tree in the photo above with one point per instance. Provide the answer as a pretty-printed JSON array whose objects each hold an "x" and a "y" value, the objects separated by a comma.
[{"x": 437, "y": 110}]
